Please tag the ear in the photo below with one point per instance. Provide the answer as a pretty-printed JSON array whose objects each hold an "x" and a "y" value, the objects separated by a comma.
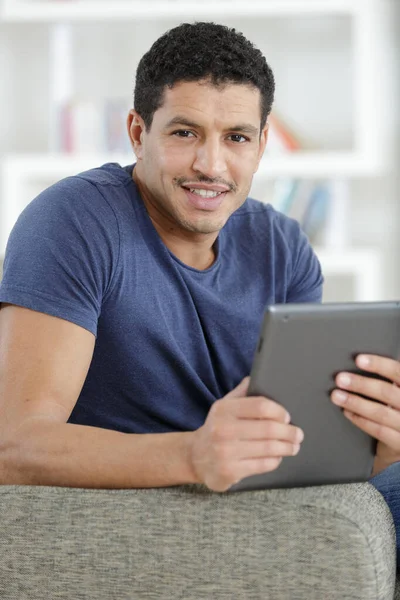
[
  {"x": 136, "y": 129},
  {"x": 263, "y": 143}
]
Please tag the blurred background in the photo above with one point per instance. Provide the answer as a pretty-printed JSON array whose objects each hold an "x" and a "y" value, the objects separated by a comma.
[{"x": 66, "y": 78}]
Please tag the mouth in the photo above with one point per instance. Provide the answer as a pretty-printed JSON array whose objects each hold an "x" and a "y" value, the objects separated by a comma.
[{"x": 205, "y": 198}]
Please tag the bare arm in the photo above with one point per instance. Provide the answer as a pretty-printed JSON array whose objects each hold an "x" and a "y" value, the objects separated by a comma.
[{"x": 43, "y": 364}]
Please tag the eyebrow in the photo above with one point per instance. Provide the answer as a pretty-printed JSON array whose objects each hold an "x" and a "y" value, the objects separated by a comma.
[{"x": 241, "y": 128}]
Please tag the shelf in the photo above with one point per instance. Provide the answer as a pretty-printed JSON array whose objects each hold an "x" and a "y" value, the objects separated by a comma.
[
  {"x": 51, "y": 167},
  {"x": 102, "y": 10},
  {"x": 344, "y": 261},
  {"x": 363, "y": 265}
]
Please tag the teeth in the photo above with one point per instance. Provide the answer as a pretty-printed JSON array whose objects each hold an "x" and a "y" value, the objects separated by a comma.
[{"x": 205, "y": 193}]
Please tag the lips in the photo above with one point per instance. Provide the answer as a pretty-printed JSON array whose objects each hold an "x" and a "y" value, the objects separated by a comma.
[
  {"x": 215, "y": 187},
  {"x": 204, "y": 202}
]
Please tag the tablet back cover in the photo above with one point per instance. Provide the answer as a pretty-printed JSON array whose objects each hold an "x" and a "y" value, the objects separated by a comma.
[{"x": 301, "y": 349}]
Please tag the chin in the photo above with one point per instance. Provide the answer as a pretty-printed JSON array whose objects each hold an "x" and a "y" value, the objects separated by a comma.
[{"x": 208, "y": 227}]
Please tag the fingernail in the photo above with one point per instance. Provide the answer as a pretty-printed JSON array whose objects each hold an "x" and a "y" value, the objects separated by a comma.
[
  {"x": 296, "y": 449},
  {"x": 344, "y": 379},
  {"x": 363, "y": 361},
  {"x": 339, "y": 397},
  {"x": 287, "y": 418},
  {"x": 299, "y": 435}
]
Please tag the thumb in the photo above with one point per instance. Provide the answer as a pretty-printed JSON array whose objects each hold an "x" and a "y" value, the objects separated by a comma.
[{"x": 240, "y": 390}]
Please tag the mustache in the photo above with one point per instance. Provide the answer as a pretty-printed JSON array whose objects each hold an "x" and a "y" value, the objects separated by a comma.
[{"x": 204, "y": 179}]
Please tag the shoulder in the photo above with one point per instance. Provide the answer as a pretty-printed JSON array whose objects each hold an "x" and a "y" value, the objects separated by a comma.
[
  {"x": 108, "y": 175},
  {"x": 102, "y": 184},
  {"x": 268, "y": 235},
  {"x": 89, "y": 198}
]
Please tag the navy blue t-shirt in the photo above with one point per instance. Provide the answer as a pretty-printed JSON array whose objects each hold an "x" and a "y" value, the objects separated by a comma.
[{"x": 170, "y": 339}]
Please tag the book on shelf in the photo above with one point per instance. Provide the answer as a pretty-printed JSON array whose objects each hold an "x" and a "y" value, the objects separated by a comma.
[
  {"x": 281, "y": 138},
  {"x": 116, "y": 134},
  {"x": 320, "y": 207},
  {"x": 86, "y": 127}
]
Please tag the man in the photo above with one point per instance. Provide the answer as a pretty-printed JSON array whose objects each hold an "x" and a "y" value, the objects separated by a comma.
[{"x": 133, "y": 297}]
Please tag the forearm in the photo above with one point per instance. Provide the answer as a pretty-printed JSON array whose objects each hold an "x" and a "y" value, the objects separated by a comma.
[{"x": 53, "y": 453}]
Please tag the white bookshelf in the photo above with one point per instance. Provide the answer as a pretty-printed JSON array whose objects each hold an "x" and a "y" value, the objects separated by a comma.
[
  {"x": 363, "y": 266},
  {"x": 367, "y": 153},
  {"x": 366, "y": 158},
  {"x": 96, "y": 10}
]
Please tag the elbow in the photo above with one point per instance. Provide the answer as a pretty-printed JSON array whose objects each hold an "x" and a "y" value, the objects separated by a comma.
[
  {"x": 18, "y": 461},
  {"x": 9, "y": 458}
]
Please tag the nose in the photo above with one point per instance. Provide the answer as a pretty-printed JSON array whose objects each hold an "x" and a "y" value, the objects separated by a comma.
[{"x": 210, "y": 159}]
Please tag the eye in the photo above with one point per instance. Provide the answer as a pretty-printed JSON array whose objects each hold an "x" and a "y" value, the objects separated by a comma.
[
  {"x": 185, "y": 133},
  {"x": 238, "y": 138}
]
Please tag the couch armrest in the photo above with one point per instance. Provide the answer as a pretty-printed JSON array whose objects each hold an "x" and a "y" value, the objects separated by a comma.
[{"x": 333, "y": 542}]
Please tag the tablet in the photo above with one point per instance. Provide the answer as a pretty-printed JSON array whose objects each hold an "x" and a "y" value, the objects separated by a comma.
[{"x": 301, "y": 348}]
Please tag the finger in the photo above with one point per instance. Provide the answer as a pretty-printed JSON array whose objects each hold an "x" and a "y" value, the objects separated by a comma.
[
  {"x": 257, "y": 407},
  {"x": 370, "y": 387},
  {"x": 266, "y": 449},
  {"x": 377, "y": 412},
  {"x": 387, "y": 435},
  {"x": 386, "y": 367},
  {"x": 247, "y": 429}
]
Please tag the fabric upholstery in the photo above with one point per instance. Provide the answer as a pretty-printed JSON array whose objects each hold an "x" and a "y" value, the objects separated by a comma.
[{"x": 331, "y": 542}]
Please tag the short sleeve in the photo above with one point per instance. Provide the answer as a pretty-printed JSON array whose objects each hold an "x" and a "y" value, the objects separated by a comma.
[
  {"x": 62, "y": 253},
  {"x": 306, "y": 279}
]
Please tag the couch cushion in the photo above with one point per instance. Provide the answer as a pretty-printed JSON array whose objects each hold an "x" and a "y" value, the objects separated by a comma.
[{"x": 333, "y": 542}]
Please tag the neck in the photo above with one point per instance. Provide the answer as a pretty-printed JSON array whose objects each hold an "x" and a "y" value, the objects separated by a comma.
[
  {"x": 199, "y": 254},
  {"x": 193, "y": 249}
]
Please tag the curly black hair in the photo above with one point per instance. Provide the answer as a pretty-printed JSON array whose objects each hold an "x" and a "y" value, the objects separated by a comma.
[{"x": 198, "y": 51}]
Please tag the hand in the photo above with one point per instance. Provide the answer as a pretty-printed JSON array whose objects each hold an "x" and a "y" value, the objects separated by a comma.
[
  {"x": 242, "y": 436},
  {"x": 380, "y": 419}
]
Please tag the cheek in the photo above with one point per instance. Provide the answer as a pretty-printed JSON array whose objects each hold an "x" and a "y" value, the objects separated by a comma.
[
  {"x": 242, "y": 168},
  {"x": 171, "y": 158}
]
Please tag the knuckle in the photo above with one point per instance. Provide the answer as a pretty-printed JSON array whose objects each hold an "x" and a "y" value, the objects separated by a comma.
[
  {"x": 380, "y": 415},
  {"x": 387, "y": 392},
  {"x": 279, "y": 449},
  {"x": 269, "y": 448},
  {"x": 263, "y": 406},
  {"x": 270, "y": 429},
  {"x": 275, "y": 449},
  {"x": 379, "y": 429},
  {"x": 275, "y": 431}
]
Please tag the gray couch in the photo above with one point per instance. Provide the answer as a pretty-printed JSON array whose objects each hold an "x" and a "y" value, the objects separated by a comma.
[{"x": 325, "y": 543}]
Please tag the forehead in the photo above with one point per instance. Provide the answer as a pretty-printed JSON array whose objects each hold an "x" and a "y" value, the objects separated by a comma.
[{"x": 203, "y": 101}]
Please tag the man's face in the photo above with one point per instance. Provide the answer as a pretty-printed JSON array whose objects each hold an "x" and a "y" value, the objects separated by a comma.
[{"x": 196, "y": 164}]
